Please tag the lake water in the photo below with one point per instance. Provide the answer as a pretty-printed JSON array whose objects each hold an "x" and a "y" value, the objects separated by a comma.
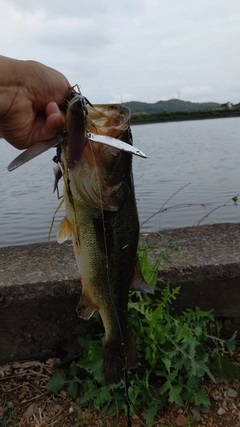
[{"x": 201, "y": 156}]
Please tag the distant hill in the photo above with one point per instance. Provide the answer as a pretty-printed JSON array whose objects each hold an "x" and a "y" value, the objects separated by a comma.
[{"x": 169, "y": 106}]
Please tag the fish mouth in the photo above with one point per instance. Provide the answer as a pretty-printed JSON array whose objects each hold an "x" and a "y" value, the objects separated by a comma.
[
  {"x": 102, "y": 177},
  {"x": 89, "y": 155},
  {"x": 98, "y": 123},
  {"x": 108, "y": 119}
]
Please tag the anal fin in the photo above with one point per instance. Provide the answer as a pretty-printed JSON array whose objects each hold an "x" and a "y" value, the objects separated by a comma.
[{"x": 86, "y": 307}]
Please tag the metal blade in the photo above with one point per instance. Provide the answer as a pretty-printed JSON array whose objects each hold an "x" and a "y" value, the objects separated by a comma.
[
  {"x": 33, "y": 152},
  {"x": 115, "y": 143}
]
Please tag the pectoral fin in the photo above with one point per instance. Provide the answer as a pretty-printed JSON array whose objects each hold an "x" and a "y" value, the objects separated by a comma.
[
  {"x": 64, "y": 230},
  {"x": 85, "y": 308},
  {"x": 139, "y": 283}
]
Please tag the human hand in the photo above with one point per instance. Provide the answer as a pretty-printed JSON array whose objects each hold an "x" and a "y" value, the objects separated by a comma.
[{"x": 30, "y": 94}]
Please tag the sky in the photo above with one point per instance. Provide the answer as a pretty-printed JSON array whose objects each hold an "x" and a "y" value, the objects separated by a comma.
[{"x": 131, "y": 50}]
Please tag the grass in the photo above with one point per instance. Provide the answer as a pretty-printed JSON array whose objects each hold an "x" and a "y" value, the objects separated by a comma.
[{"x": 174, "y": 355}]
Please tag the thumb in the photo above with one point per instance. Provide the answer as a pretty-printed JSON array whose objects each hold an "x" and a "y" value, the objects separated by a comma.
[{"x": 54, "y": 123}]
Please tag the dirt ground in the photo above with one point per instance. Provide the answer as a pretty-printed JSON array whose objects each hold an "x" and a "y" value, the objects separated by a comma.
[{"x": 25, "y": 402}]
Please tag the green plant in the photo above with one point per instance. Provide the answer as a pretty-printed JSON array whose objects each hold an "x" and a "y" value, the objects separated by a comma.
[
  {"x": 173, "y": 354},
  {"x": 153, "y": 259},
  {"x": 172, "y": 358}
]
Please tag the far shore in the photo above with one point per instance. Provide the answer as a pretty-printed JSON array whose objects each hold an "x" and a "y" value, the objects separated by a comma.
[{"x": 144, "y": 118}]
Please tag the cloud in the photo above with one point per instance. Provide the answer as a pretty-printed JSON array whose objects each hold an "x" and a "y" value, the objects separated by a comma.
[
  {"x": 143, "y": 49},
  {"x": 201, "y": 94},
  {"x": 59, "y": 8},
  {"x": 122, "y": 97}
]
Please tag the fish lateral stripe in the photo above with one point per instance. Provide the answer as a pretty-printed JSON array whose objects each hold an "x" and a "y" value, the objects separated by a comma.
[{"x": 104, "y": 232}]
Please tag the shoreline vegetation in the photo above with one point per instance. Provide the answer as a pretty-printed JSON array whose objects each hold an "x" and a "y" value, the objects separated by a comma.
[
  {"x": 177, "y": 110},
  {"x": 185, "y": 111},
  {"x": 145, "y": 118}
]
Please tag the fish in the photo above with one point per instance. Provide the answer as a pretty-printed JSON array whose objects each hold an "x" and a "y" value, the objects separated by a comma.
[{"x": 102, "y": 220}]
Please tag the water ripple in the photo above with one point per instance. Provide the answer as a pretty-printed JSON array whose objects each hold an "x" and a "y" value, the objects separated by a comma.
[{"x": 204, "y": 153}]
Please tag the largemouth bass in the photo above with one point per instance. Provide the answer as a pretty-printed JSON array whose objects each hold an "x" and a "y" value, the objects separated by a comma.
[{"x": 102, "y": 218}]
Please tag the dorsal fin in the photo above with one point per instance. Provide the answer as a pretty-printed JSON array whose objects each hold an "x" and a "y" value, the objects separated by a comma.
[
  {"x": 64, "y": 230},
  {"x": 139, "y": 283}
]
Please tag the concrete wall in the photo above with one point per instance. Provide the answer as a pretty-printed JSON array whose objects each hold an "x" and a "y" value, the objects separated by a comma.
[{"x": 40, "y": 288}]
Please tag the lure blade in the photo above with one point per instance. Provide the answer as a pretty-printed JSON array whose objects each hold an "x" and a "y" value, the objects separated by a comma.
[
  {"x": 115, "y": 143},
  {"x": 33, "y": 151}
]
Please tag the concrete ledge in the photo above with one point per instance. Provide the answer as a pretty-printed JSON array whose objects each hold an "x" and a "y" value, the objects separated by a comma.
[
  {"x": 40, "y": 288},
  {"x": 207, "y": 268},
  {"x": 39, "y": 292}
]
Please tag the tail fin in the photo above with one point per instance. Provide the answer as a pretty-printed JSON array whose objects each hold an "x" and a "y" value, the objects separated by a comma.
[{"x": 119, "y": 355}]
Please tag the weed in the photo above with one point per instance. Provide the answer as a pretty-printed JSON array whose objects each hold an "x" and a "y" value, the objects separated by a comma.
[{"x": 173, "y": 355}]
